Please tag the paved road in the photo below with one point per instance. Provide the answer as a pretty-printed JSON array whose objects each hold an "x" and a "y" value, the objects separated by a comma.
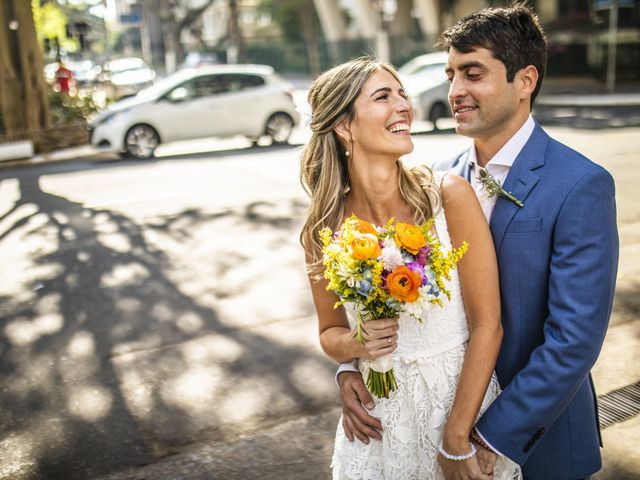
[{"x": 157, "y": 313}]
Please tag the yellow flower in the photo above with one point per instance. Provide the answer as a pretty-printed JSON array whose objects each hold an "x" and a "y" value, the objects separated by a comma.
[
  {"x": 403, "y": 284},
  {"x": 365, "y": 246},
  {"x": 410, "y": 237}
]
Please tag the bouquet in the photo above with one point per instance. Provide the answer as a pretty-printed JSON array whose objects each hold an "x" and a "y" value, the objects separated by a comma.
[{"x": 383, "y": 271}]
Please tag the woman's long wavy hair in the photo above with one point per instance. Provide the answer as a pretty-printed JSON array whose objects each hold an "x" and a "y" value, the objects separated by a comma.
[{"x": 324, "y": 169}]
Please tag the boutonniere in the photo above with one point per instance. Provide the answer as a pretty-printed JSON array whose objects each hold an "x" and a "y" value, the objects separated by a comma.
[{"x": 493, "y": 189}]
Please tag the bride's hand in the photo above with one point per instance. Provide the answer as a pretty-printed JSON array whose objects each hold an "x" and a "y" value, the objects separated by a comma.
[{"x": 380, "y": 338}]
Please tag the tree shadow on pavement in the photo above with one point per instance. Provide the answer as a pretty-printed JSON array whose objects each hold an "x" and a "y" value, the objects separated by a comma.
[{"x": 116, "y": 344}]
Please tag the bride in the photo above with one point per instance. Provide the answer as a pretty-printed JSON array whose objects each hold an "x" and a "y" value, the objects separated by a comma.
[{"x": 360, "y": 124}]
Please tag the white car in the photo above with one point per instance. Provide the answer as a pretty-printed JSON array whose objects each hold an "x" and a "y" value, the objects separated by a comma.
[
  {"x": 210, "y": 101},
  {"x": 426, "y": 84}
]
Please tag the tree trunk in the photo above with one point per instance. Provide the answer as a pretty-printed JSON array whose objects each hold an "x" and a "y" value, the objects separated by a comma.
[
  {"x": 12, "y": 114},
  {"x": 174, "y": 50},
  {"x": 235, "y": 50},
  {"x": 24, "y": 101},
  {"x": 309, "y": 33}
]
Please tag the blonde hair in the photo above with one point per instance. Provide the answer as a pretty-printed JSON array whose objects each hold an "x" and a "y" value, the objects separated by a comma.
[{"x": 324, "y": 171}]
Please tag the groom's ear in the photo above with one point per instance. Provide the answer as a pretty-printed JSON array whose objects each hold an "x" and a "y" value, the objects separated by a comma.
[{"x": 527, "y": 80}]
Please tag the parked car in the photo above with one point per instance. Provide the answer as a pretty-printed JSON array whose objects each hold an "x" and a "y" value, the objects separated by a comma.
[
  {"x": 124, "y": 77},
  {"x": 211, "y": 101},
  {"x": 426, "y": 83}
]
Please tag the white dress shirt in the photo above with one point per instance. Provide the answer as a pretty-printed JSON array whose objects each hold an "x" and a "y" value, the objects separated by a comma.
[{"x": 499, "y": 166}]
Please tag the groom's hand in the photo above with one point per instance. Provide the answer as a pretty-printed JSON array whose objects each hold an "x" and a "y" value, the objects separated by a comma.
[
  {"x": 462, "y": 470},
  {"x": 486, "y": 459},
  {"x": 356, "y": 421}
]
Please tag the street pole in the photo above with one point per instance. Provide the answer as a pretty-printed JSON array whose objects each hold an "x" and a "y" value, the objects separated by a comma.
[{"x": 613, "y": 46}]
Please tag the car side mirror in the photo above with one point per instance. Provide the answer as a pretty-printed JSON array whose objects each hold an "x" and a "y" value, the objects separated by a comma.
[{"x": 179, "y": 94}]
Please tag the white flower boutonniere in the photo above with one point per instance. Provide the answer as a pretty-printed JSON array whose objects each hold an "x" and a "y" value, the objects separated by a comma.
[{"x": 492, "y": 187}]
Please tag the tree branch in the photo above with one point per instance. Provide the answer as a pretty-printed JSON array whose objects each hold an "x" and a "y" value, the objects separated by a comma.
[{"x": 193, "y": 14}]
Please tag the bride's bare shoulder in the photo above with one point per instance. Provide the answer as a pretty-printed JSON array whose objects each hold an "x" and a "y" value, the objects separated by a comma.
[{"x": 456, "y": 191}]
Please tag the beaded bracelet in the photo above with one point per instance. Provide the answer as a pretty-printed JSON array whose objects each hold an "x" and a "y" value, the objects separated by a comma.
[
  {"x": 475, "y": 437},
  {"x": 457, "y": 458}
]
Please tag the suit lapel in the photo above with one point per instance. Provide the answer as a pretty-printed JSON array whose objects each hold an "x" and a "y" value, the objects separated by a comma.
[{"x": 520, "y": 181}]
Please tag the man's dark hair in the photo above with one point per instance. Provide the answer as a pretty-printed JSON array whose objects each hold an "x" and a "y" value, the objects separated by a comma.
[{"x": 512, "y": 34}]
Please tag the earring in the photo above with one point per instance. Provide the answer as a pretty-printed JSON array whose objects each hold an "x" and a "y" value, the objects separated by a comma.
[{"x": 347, "y": 153}]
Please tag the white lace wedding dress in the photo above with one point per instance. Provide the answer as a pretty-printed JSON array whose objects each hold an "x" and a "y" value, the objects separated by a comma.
[{"x": 427, "y": 366}]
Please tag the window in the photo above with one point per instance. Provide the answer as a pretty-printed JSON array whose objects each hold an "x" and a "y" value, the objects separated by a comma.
[
  {"x": 237, "y": 82},
  {"x": 207, "y": 86}
]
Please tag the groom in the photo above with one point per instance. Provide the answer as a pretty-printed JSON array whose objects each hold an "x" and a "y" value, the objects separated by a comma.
[{"x": 557, "y": 254}]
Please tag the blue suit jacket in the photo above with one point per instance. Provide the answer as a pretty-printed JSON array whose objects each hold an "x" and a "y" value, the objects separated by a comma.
[{"x": 557, "y": 258}]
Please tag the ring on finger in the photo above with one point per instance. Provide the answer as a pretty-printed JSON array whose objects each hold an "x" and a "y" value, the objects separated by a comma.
[{"x": 389, "y": 340}]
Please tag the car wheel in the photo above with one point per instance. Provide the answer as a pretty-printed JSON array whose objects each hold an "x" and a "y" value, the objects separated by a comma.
[
  {"x": 141, "y": 141},
  {"x": 438, "y": 110},
  {"x": 279, "y": 127}
]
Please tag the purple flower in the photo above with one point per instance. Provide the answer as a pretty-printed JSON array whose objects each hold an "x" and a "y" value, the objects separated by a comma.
[
  {"x": 416, "y": 267},
  {"x": 423, "y": 255}
]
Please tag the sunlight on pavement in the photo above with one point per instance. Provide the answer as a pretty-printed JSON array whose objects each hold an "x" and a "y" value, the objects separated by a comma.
[
  {"x": 82, "y": 344},
  {"x": 23, "y": 332},
  {"x": 17, "y": 454},
  {"x": 89, "y": 402},
  {"x": 245, "y": 400},
  {"x": 194, "y": 388},
  {"x": 122, "y": 275}
]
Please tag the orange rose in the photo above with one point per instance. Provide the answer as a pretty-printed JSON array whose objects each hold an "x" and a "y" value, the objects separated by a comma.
[
  {"x": 365, "y": 246},
  {"x": 409, "y": 237},
  {"x": 364, "y": 227},
  {"x": 403, "y": 284}
]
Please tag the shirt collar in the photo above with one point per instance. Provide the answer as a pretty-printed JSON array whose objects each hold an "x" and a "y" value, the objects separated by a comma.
[{"x": 510, "y": 150}]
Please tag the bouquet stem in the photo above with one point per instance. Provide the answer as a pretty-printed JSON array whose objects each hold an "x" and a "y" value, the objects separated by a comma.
[
  {"x": 381, "y": 379},
  {"x": 380, "y": 384}
]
